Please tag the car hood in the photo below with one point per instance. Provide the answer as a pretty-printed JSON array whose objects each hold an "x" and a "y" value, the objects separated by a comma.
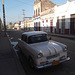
[{"x": 47, "y": 48}]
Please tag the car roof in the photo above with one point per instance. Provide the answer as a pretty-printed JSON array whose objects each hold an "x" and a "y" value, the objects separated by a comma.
[{"x": 33, "y": 33}]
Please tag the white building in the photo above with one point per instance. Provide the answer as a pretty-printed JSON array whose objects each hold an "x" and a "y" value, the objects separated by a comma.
[
  {"x": 37, "y": 10},
  {"x": 64, "y": 20},
  {"x": 17, "y": 26},
  {"x": 22, "y": 25},
  {"x": 39, "y": 7},
  {"x": 29, "y": 25},
  {"x": 47, "y": 18}
]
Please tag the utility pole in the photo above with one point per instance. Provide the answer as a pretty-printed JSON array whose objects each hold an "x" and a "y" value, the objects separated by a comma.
[
  {"x": 0, "y": 24},
  {"x": 24, "y": 18},
  {"x": 4, "y": 22}
]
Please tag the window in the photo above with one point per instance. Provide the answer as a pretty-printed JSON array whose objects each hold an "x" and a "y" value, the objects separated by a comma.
[
  {"x": 73, "y": 20},
  {"x": 38, "y": 11},
  {"x": 57, "y": 25},
  {"x": 24, "y": 38},
  {"x": 63, "y": 25},
  {"x": 51, "y": 22},
  {"x": 34, "y": 12},
  {"x": 46, "y": 20},
  {"x": 42, "y": 21},
  {"x": 37, "y": 38}
]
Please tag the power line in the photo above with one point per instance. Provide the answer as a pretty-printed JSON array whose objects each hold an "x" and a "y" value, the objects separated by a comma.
[
  {"x": 29, "y": 1},
  {"x": 23, "y": 15},
  {"x": 24, "y": 18},
  {"x": 21, "y": 4}
]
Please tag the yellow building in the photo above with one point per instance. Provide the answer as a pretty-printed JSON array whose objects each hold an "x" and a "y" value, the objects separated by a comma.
[{"x": 29, "y": 25}]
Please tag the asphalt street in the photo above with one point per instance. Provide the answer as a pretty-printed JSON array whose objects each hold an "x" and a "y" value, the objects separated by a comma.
[{"x": 66, "y": 68}]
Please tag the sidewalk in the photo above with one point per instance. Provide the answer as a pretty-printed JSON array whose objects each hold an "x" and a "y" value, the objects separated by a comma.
[
  {"x": 9, "y": 62},
  {"x": 63, "y": 36}
]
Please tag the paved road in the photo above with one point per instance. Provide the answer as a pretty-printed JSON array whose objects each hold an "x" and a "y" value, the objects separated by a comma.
[{"x": 66, "y": 68}]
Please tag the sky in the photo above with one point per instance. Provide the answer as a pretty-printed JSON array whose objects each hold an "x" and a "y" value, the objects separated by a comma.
[{"x": 14, "y": 9}]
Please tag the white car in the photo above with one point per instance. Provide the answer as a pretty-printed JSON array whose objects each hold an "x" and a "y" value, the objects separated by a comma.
[{"x": 40, "y": 51}]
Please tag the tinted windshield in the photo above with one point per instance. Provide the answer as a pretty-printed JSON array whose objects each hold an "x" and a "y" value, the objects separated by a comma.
[{"x": 37, "y": 38}]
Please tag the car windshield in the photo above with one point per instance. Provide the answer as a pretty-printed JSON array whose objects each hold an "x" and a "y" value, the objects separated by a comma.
[{"x": 37, "y": 38}]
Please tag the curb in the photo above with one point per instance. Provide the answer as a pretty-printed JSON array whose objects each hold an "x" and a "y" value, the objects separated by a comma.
[
  {"x": 16, "y": 59},
  {"x": 63, "y": 36}
]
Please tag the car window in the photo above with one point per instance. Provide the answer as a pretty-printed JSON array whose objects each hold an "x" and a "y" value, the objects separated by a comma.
[{"x": 37, "y": 38}]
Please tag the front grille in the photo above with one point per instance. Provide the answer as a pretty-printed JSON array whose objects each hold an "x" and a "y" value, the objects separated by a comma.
[{"x": 53, "y": 56}]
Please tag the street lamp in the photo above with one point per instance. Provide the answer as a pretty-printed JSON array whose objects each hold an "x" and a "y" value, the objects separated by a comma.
[{"x": 4, "y": 16}]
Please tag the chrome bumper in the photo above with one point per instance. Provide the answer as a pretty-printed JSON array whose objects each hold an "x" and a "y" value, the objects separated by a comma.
[{"x": 68, "y": 58}]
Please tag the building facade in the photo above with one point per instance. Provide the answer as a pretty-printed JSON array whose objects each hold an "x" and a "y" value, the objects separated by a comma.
[
  {"x": 17, "y": 26},
  {"x": 36, "y": 17},
  {"x": 39, "y": 7},
  {"x": 64, "y": 20},
  {"x": 29, "y": 25},
  {"x": 22, "y": 25},
  {"x": 47, "y": 19}
]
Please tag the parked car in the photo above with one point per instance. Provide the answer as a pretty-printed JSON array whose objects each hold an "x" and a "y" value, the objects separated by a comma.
[{"x": 40, "y": 51}]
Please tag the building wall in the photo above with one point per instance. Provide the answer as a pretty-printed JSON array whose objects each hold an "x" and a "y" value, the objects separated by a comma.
[
  {"x": 63, "y": 25},
  {"x": 39, "y": 7},
  {"x": 63, "y": 17},
  {"x": 46, "y": 4},
  {"x": 22, "y": 25},
  {"x": 17, "y": 26},
  {"x": 47, "y": 20},
  {"x": 29, "y": 25}
]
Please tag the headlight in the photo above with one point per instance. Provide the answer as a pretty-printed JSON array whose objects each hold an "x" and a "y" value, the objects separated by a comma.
[
  {"x": 65, "y": 49},
  {"x": 40, "y": 55}
]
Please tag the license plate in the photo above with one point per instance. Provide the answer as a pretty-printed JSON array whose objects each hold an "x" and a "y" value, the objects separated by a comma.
[{"x": 55, "y": 62}]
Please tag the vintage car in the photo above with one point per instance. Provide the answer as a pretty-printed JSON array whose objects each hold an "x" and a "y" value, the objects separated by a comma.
[{"x": 40, "y": 51}]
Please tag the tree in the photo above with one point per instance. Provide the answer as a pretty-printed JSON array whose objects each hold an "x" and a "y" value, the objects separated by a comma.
[{"x": 11, "y": 25}]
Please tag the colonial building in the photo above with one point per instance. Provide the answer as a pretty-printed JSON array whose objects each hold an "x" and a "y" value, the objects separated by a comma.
[
  {"x": 37, "y": 10},
  {"x": 40, "y": 6},
  {"x": 17, "y": 26},
  {"x": 47, "y": 19},
  {"x": 65, "y": 18},
  {"x": 29, "y": 25},
  {"x": 22, "y": 25}
]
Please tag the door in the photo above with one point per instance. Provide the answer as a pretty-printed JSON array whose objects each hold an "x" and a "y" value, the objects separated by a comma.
[
  {"x": 57, "y": 25},
  {"x": 24, "y": 45},
  {"x": 39, "y": 26},
  {"x": 51, "y": 26},
  {"x": 63, "y": 25},
  {"x": 72, "y": 24}
]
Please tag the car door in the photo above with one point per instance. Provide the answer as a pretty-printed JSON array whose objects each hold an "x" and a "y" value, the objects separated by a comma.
[
  {"x": 26, "y": 49},
  {"x": 24, "y": 44}
]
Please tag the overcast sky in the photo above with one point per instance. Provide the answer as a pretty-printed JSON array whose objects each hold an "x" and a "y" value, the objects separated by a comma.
[{"x": 13, "y": 9}]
